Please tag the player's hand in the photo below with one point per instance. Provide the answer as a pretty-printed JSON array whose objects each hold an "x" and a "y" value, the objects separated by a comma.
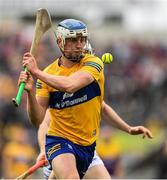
[
  {"x": 27, "y": 78},
  {"x": 41, "y": 157},
  {"x": 141, "y": 130},
  {"x": 29, "y": 61}
]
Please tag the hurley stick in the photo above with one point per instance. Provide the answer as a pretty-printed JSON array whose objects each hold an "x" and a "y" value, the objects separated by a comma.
[{"x": 43, "y": 23}]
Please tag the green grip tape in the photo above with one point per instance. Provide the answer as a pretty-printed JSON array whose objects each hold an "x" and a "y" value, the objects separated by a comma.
[{"x": 18, "y": 98}]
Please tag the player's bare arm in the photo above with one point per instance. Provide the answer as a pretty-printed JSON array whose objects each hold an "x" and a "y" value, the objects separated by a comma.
[
  {"x": 42, "y": 131},
  {"x": 114, "y": 118},
  {"x": 68, "y": 84},
  {"x": 36, "y": 107}
]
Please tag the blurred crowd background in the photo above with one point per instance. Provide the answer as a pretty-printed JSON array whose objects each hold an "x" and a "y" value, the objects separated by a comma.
[{"x": 135, "y": 32}]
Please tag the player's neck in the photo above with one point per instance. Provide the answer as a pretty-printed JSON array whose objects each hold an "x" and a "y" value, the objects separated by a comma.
[{"x": 66, "y": 62}]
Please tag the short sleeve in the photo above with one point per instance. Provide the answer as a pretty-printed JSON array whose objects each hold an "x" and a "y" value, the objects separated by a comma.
[
  {"x": 41, "y": 89},
  {"x": 94, "y": 66}
]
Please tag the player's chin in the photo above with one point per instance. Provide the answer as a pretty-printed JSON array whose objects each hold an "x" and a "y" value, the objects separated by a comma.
[
  {"x": 77, "y": 53},
  {"x": 77, "y": 57}
]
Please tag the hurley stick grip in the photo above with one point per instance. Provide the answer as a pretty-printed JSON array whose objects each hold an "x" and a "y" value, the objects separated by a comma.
[{"x": 16, "y": 101}]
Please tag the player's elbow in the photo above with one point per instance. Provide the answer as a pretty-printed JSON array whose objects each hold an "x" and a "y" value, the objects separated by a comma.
[
  {"x": 70, "y": 89},
  {"x": 103, "y": 106},
  {"x": 74, "y": 84},
  {"x": 70, "y": 86}
]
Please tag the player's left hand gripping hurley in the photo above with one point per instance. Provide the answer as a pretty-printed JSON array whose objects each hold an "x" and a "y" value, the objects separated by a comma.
[{"x": 43, "y": 23}]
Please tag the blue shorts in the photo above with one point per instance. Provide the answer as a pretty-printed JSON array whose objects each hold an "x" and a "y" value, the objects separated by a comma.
[{"x": 57, "y": 145}]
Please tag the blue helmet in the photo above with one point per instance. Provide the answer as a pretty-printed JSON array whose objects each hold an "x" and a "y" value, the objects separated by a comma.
[
  {"x": 70, "y": 28},
  {"x": 72, "y": 24}
]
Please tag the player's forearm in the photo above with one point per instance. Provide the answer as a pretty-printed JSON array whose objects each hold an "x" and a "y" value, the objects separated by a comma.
[
  {"x": 114, "y": 118},
  {"x": 35, "y": 111},
  {"x": 63, "y": 83}
]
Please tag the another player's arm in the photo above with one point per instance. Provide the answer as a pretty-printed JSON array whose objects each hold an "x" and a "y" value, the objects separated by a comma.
[
  {"x": 42, "y": 131},
  {"x": 115, "y": 119}
]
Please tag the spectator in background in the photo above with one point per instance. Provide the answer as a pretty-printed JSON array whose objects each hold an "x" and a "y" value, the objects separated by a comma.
[
  {"x": 109, "y": 149},
  {"x": 17, "y": 153}
]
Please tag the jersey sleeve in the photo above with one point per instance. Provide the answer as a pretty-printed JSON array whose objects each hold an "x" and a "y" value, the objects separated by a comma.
[
  {"x": 42, "y": 88},
  {"x": 94, "y": 66}
]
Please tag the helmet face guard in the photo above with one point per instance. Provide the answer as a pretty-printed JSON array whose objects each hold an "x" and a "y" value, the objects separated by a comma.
[
  {"x": 88, "y": 49},
  {"x": 71, "y": 28}
]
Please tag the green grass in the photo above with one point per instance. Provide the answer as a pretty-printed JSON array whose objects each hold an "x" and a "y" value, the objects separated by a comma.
[{"x": 136, "y": 144}]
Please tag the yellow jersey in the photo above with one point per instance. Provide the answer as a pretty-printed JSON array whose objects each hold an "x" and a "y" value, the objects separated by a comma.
[{"x": 75, "y": 116}]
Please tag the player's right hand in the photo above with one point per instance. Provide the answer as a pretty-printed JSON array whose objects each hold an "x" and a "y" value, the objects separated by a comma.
[{"x": 28, "y": 79}]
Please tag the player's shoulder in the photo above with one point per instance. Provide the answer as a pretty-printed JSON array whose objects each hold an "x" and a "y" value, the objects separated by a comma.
[
  {"x": 51, "y": 66},
  {"x": 92, "y": 59}
]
